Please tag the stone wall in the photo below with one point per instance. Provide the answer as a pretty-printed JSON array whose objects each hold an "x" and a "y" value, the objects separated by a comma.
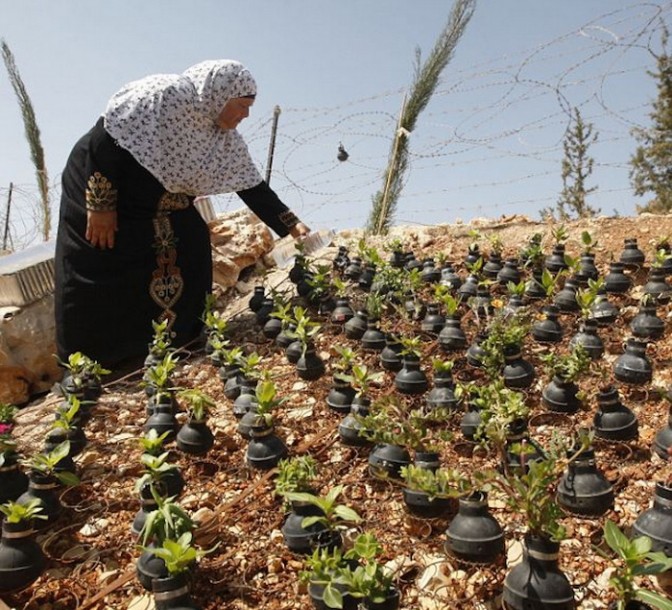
[
  {"x": 239, "y": 240},
  {"x": 28, "y": 365}
]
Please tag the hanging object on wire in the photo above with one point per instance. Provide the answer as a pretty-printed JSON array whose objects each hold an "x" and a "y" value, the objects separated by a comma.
[{"x": 342, "y": 153}]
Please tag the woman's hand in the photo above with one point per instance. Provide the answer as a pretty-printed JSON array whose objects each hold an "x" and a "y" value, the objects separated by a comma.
[
  {"x": 100, "y": 228},
  {"x": 299, "y": 230}
]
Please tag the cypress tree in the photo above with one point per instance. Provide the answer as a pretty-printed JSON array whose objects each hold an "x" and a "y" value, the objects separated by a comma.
[
  {"x": 33, "y": 137},
  {"x": 424, "y": 84},
  {"x": 577, "y": 166},
  {"x": 651, "y": 170}
]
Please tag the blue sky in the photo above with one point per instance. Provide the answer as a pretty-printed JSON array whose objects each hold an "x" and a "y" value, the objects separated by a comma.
[{"x": 489, "y": 143}]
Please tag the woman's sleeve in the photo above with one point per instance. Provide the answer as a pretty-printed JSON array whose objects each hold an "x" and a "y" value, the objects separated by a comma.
[
  {"x": 102, "y": 165},
  {"x": 264, "y": 202}
]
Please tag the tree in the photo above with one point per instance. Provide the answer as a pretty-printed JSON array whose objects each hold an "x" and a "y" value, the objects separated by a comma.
[
  {"x": 33, "y": 137},
  {"x": 651, "y": 170},
  {"x": 577, "y": 166},
  {"x": 424, "y": 84}
]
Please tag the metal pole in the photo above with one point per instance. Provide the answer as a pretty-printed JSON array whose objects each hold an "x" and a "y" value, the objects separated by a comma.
[
  {"x": 271, "y": 145},
  {"x": 9, "y": 205}
]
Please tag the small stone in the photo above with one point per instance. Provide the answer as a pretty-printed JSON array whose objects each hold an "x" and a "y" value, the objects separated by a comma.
[
  {"x": 336, "y": 457},
  {"x": 203, "y": 515},
  {"x": 602, "y": 581},
  {"x": 400, "y": 565},
  {"x": 88, "y": 457},
  {"x": 276, "y": 536},
  {"x": 274, "y": 565},
  {"x": 190, "y": 500},
  {"x": 94, "y": 528}
]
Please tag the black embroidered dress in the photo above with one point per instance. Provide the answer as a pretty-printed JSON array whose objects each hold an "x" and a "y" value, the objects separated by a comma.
[{"x": 161, "y": 263}]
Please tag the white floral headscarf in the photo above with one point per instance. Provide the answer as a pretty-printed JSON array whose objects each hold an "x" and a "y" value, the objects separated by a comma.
[{"x": 168, "y": 123}]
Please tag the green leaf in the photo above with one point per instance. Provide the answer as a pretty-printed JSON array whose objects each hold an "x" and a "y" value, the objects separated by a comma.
[
  {"x": 653, "y": 599},
  {"x": 660, "y": 558},
  {"x": 641, "y": 545},
  {"x": 333, "y": 493},
  {"x": 647, "y": 569},
  {"x": 306, "y": 522},
  {"x": 163, "y": 553},
  {"x": 616, "y": 540},
  {"x": 301, "y": 496},
  {"x": 149, "y": 526},
  {"x": 332, "y": 597},
  {"x": 347, "y": 514},
  {"x": 366, "y": 546},
  {"x": 656, "y": 563},
  {"x": 67, "y": 478},
  {"x": 16, "y": 513},
  {"x": 59, "y": 452}
]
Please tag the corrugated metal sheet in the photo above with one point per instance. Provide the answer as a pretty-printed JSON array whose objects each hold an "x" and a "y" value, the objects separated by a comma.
[{"x": 28, "y": 275}]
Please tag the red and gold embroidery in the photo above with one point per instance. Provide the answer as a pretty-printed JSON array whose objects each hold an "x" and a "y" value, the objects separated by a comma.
[
  {"x": 166, "y": 285},
  {"x": 100, "y": 196},
  {"x": 288, "y": 218},
  {"x": 170, "y": 202}
]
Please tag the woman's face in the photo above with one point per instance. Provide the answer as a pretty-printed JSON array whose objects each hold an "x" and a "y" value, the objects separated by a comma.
[{"x": 234, "y": 111}]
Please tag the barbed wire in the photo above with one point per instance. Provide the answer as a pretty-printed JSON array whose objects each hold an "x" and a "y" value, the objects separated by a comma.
[{"x": 490, "y": 139}]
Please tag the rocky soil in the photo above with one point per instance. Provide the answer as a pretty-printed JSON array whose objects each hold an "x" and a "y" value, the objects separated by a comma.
[{"x": 91, "y": 549}]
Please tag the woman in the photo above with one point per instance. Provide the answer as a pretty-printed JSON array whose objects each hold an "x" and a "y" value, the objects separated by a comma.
[{"x": 131, "y": 248}]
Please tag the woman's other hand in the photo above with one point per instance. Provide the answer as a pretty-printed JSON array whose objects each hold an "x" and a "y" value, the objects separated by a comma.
[
  {"x": 299, "y": 230},
  {"x": 100, "y": 228}
]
